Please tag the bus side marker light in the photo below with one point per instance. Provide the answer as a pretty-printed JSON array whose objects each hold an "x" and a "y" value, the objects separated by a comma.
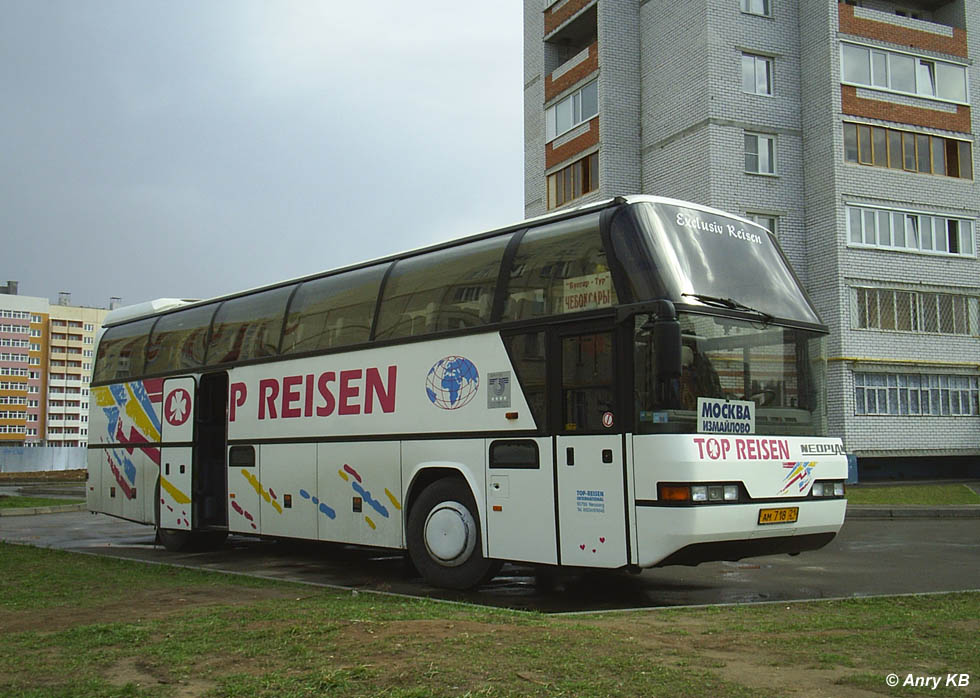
[
  {"x": 497, "y": 507},
  {"x": 511, "y": 415}
]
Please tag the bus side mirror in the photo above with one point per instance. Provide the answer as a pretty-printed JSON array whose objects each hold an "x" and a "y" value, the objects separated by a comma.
[
  {"x": 667, "y": 340},
  {"x": 666, "y": 333}
]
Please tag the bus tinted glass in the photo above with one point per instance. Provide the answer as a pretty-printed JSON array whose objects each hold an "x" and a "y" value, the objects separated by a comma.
[
  {"x": 333, "y": 311},
  {"x": 559, "y": 268},
  {"x": 679, "y": 250},
  {"x": 122, "y": 351},
  {"x": 178, "y": 340},
  {"x": 444, "y": 290},
  {"x": 248, "y": 327}
]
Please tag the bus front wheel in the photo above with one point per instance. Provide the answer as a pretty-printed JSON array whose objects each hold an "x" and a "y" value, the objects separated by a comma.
[{"x": 444, "y": 539}]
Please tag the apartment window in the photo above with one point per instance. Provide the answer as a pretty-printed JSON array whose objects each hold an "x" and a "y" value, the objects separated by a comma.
[
  {"x": 915, "y": 394},
  {"x": 890, "y": 229},
  {"x": 760, "y": 153},
  {"x": 902, "y": 72},
  {"x": 878, "y": 146},
  {"x": 766, "y": 220},
  {"x": 576, "y": 108},
  {"x": 578, "y": 179},
  {"x": 757, "y": 74},
  {"x": 914, "y": 311},
  {"x": 757, "y": 7}
]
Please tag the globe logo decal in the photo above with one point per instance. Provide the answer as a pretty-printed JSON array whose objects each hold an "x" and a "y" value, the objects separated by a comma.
[{"x": 452, "y": 382}]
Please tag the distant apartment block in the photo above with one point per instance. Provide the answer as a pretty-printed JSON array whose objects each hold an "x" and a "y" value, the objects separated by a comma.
[
  {"x": 46, "y": 356},
  {"x": 847, "y": 128}
]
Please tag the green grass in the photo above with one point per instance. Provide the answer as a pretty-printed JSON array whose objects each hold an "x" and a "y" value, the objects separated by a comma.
[
  {"x": 12, "y": 502},
  {"x": 76, "y": 625},
  {"x": 927, "y": 495}
]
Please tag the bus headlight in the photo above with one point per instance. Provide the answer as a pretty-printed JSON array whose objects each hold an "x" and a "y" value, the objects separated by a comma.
[
  {"x": 713, "y": 493},
  {"x": 827, "y": 488}
]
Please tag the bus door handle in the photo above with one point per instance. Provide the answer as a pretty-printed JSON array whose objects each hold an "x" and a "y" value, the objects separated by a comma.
[{"x": 569, "y": 456}]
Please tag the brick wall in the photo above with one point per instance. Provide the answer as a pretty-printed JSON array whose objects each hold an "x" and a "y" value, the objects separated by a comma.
[
  {"x": 559, "y": 12},
  {"x": 566, "y": 150},
  {"x": 853, "y": 105},
  {"x": 555, "y": 86},
  {"x": 905, "y": 36}
]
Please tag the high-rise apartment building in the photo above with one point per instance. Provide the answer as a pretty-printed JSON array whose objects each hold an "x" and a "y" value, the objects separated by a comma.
[
  {"x": 847, "y": 128},
  {"x": 23, "y": 349},
  {"x": 46, "y": 357}
]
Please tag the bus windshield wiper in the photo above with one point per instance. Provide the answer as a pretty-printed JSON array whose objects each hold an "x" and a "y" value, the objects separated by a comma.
[{"x": 729, "y": 303}]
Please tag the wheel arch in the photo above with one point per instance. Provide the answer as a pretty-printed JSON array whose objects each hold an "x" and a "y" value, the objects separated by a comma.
[{"x": 424, "y": 474}]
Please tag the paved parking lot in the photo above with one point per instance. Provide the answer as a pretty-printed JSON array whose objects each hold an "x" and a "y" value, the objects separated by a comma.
[{"x": 869, "y": 557}]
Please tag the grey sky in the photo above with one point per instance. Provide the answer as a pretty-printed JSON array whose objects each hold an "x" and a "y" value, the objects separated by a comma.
[{"x": 195, "y": 148}]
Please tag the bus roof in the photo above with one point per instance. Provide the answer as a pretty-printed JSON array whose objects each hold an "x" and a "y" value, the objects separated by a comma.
[{"x": 163, "y": 305}]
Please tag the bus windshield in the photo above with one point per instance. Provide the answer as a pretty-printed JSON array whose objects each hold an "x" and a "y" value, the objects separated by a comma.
[
  {"x": 686, "y": 254},
  {"x": 779, "y": 369}
]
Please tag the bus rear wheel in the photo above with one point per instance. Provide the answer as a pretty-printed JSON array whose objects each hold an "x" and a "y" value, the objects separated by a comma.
[{"x": 444, "y": 539}]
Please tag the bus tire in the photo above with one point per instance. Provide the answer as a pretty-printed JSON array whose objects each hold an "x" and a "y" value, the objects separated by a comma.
[{"x": 444, "y": 538}]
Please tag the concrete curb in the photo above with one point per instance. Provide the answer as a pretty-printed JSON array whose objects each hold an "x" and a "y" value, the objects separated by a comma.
[
  {"x": 913, "y": 512},
  {"x": 28, "y": 511}
]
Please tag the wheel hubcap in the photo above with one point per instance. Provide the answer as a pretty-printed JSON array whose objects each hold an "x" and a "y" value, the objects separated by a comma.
[{"x": 450, "y": 534}]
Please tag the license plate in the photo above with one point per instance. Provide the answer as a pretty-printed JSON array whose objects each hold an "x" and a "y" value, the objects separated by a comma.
[{"x": 778, "y": 516}]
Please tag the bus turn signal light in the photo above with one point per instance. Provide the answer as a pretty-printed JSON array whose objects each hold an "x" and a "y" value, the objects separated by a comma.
[{"x": 675, "y": 493}]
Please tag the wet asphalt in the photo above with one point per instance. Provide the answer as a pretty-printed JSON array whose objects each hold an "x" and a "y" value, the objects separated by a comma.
[{"x": 870, "y": 557}]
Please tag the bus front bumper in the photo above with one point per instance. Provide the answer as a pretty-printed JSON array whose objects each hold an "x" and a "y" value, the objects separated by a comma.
[{"x": 690, "y": 535}]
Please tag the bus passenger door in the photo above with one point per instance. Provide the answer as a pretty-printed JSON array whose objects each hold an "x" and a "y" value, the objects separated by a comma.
[
  {"x": 589, "y": 449},
  {"x": 177, "y": 454}
]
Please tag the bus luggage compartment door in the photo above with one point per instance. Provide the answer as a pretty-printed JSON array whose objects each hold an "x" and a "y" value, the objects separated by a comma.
[
  {"x": 591, "y": 501},
  {"x": 177, "y": 454}
]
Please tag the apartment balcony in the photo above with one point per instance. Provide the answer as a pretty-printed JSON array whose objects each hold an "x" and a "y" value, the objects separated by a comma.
[
  {"x": 560, "y": 13},
  {"x": 575, "y": 69},
  {"x": 905, "y": 31}
]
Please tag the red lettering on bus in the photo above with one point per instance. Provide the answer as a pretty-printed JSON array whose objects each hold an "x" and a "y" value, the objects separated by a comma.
[
  {"x": 238, "y": 394},
  {"x": 326, "y": 409},
  {"x": 374, "y": 387},
  {"x": 308, "y": 395},
  {"x": 290, "y": 396},
  {"x": 268, "y": 392},
  {"x": 739, "y": 449},
  {"x": 348, "y": 391}
]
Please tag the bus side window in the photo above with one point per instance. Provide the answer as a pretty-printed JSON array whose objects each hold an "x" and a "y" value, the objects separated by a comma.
[
  {"x": 333, "y": 311},
  {"x": 122, "y": 351},
  {"x": 527, "y": 354},
  {"x": 444, "y": 290},
  {"x": 248, "y": 327},
  {"x": 559, "y": 268},
  {"x": 241, "y": 457},
  {"x": 521, "y": 454},
  {"x": 178, "y": 340}
]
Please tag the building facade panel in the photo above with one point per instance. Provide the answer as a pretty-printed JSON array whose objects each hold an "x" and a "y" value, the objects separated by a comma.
[{"x": 716, "y": 84}]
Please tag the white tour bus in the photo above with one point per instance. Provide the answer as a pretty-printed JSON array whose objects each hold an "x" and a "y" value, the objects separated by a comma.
[{"x": 634, "y": 383}]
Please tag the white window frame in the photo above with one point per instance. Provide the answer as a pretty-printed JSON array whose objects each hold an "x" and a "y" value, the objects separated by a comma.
[
  {"x": 915, "y": 394},
  {"x": 915, "y": 230},
  {"x": 770, "y": 152},
  {"x": 574, "y": 103},
  {"x": 763, "y": 74},
  {"x": 765, "y": 7},
  {"x": 925, "y": 72}
]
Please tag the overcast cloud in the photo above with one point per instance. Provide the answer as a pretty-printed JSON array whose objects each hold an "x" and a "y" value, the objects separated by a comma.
[{"x": 196, "y": 148}]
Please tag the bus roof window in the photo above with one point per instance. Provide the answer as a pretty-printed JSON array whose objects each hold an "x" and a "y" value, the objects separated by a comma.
[
  {"x": 559, "y": 268},
  {"x": 248, "y": 327},
  {"x": 447, "y": 289},
  {"x": 122, "y": 351},
  {"x": 333, "y": 311},
  {"x": 178, "y": 339}
]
